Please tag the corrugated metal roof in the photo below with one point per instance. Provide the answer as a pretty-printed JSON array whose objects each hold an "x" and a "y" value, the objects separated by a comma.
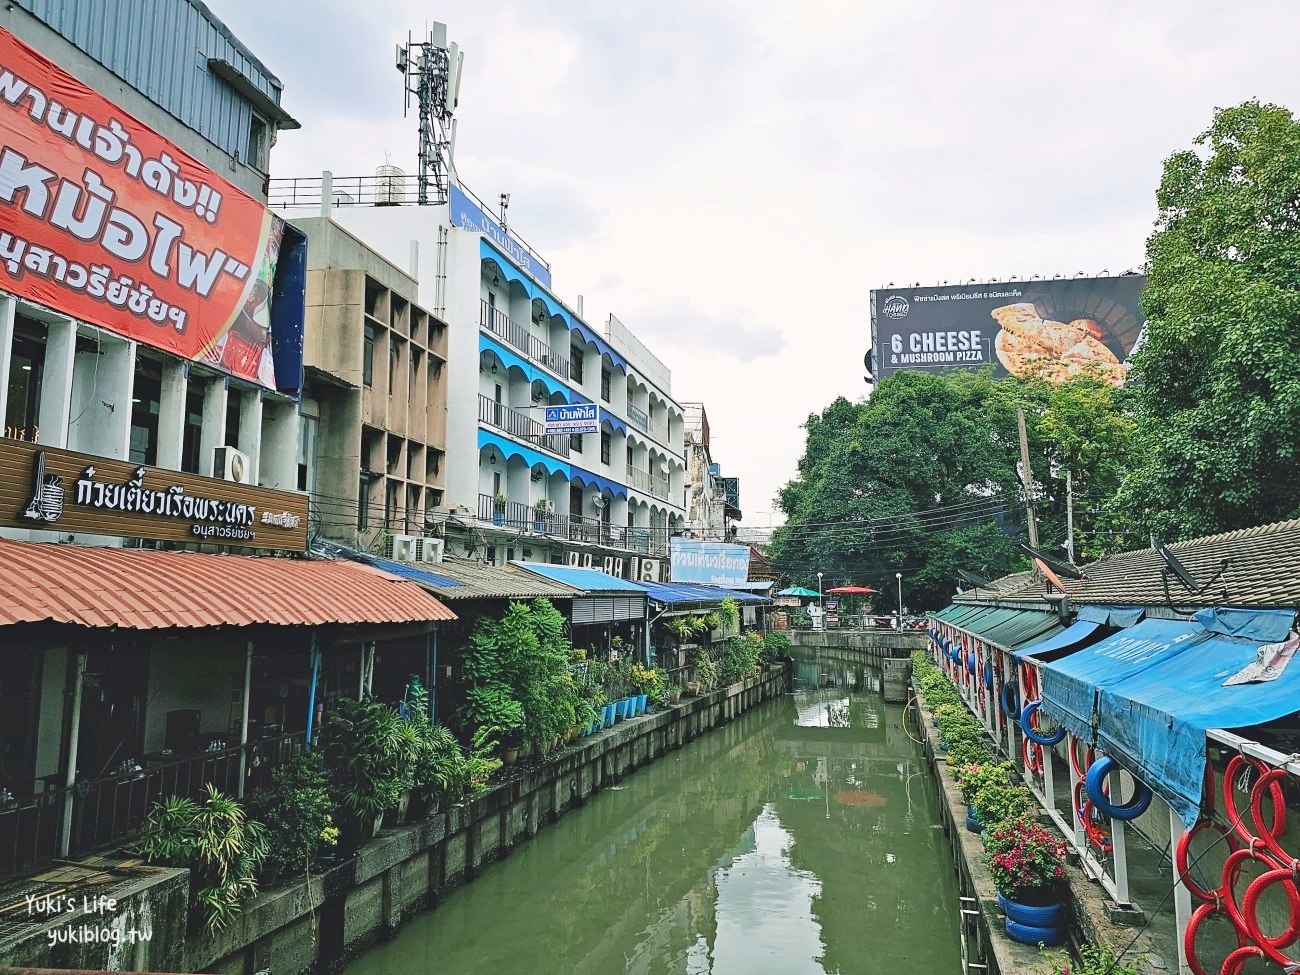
[
  {"x": 405, "y": 570},
  {"x": 145, "y": 589},
  {"x": 679, "y": 593},
  {"x": 584, "y": 580},
  {"x": 479, "y": 580}
]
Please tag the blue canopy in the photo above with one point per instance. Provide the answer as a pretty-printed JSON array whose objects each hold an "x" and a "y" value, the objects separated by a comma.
[
  {"x": 1076, "y": 632},
  {"x": 532, "y": 458},
  {"x": 512, "y": 360},
  {"x": 1116, "y": 616},
  {"x": 585, "y": 580},
  {"x": 1071, "y": 684},
  {"x": 1154, "y": 722},
  {"x": 671, "y": 593},
  {"x": 604, "y": 484}
]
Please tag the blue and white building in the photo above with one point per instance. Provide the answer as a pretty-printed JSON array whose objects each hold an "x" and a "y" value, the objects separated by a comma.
[{"x": 515, "y": 347}]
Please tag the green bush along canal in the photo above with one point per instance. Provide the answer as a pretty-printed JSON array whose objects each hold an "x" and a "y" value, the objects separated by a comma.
[{"x": 800, "y": 838}]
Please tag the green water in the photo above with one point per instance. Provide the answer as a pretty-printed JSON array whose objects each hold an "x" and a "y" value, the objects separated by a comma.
[{"x": 797, "y": 839}]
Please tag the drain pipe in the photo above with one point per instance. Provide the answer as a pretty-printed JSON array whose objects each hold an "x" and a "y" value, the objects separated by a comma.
[
  {"x": 74, "y": 732},
  {"x": 311, "y": 692}
]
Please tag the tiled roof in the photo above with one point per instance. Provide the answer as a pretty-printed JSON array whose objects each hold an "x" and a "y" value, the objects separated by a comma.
[
  {"x": 146, "y": 589},
  {"x": 1262, "y": 570}
]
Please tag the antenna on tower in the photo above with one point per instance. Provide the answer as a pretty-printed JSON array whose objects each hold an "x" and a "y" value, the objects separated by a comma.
[{"x": 431, "y": 71}]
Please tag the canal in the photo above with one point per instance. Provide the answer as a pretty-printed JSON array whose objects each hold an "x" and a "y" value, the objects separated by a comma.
[{"x": 798, "y": 839}]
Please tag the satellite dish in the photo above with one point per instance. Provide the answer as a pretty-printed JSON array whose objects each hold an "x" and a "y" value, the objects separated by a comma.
[
  {"x": 1067, "y": 569},
  {"x": 979, "y": 582},
  {"x": 1174, "y": 566},
  {"x": 599, "y": 501}
]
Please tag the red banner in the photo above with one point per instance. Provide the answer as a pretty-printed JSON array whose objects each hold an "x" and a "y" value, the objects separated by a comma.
[{"x": 105, "y": 220}]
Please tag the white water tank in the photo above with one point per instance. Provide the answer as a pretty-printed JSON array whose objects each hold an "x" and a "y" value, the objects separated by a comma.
[{"x": 390, "y": 186}]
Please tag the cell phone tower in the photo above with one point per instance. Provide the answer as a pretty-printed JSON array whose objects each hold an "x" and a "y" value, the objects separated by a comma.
[{"x": 431, "y": 71}]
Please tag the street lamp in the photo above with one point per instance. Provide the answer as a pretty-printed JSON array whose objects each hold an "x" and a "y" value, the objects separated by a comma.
[
  {"x": 820, "y": 603},
  {"x": 899, "y": 576}
]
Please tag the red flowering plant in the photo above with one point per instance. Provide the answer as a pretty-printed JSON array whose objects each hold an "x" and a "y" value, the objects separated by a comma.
[{"x": 1024, "y": 859}]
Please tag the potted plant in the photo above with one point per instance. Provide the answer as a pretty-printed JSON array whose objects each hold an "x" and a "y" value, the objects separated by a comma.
[
  {"x": 541, "y": 514},
  {"x": 499, "y": 509},
  {"x": 296, "y": 811},
  {"x": 366, "y": 750},
  {"x": 1027, "y": 862}
]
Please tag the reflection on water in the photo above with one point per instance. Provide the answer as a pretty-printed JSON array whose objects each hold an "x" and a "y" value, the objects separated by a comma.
[{"x": 795, "y": 840}]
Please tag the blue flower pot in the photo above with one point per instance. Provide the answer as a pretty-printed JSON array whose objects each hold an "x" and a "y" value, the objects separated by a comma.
[
  {"x": 1044, "y": 916},
  {"x": 641, "y": 700},
  {"x": 1028, "y": 934},
  {"x": 607, "y": 715},
  {"x": 973, "y": 820},
  {"x": 624, "y": 708}
]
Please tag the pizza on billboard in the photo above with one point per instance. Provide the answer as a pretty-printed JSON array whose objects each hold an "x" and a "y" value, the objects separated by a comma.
[
  {"x": 1054, "y": 329},
  {"x": 105, "y": 220}
]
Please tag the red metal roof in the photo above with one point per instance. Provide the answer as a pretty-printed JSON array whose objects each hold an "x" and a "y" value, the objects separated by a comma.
[{"x": 145, "y": 589}]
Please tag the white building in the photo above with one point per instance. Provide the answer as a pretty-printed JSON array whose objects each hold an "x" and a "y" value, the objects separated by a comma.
[{"x": 514, "y": 347}]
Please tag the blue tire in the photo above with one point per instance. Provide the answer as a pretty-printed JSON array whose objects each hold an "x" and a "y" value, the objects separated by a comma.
[
  {"x": 970, "y": 661},
  {"x": 973, "y": 821},
  {"x": 988, "y": 675},
  {"x": 1050, "y": 916},
  {"x": 1011, "y": 701},
  {"x": 1031, "y": 734},
  {"x": 1096, "y": 781},
  {"x": 1028, "y": 934}
]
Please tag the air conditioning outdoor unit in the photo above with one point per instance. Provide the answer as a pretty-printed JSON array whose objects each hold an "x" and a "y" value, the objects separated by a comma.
[
  {"x": 401, "y": 548},
  {"x": 574, "y": 560},
  {"x": 428, "y": 549},
  {"x": 230, "y": 464},
  {"x": 649, "y": 570}
]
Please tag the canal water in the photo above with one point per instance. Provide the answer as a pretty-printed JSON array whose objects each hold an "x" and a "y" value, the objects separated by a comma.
[{"x": 800, "y": 838}]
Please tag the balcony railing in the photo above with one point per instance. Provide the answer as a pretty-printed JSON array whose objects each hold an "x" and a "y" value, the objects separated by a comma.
[
  {"x": 638, "y": 478},
  {"x": 520, "y": 425},
  {"x": 112, "y": 809},
  {"x": 658, "y": 486},
  {"x": 659, "y": 431},
  {"x": 520, "y": 517},
  {"x": 638, "y": 418},
  {"x": 502, "y": 325}
]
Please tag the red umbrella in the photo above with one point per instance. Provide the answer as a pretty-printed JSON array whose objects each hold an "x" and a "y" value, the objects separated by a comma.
[{"x": 851, "y": 591}]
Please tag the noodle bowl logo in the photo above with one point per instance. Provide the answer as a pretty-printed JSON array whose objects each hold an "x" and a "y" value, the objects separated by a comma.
[{"x": 896, "y": 307}]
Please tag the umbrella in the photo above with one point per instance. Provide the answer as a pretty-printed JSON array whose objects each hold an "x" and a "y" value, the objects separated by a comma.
[
  {"x": 798, "y": 591},
  {"x": 851, "y": 591}
]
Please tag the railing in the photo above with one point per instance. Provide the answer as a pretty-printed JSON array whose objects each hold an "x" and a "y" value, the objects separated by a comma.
[
  {"x": 112, "y": 809},
  {"x": 520, "y": 517},
  {"x": 638, "y": 418},
  {"x": 660, "y": 431},
  {"x": 658, "y": 486},
  {"x": 638, "y": 478},
  {"x": 520, "y": 425},
  {"x": 500, "y": 324}
]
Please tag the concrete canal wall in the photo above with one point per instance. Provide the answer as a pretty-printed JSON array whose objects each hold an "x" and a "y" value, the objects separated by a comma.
[
  {"x": 984, "y": 938},
  {"x": 888, "y": 650},
  {"x": 316, "y": 925}
]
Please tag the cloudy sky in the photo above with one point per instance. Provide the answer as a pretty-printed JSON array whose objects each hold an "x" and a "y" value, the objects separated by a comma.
[{"x": 731, "y": 178}]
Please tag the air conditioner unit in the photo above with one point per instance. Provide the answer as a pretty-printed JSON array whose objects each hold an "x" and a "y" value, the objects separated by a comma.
[
  {"x": 649, "y": 570},
  {"x": 428, "y": 549},
  {"x": 401, "y": 548},
  {"x": 574, "y": 559},
  {"x": 230, "y": 464}
]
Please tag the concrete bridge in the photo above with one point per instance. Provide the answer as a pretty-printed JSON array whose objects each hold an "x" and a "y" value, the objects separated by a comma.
[{"x": 890, "y": 650}]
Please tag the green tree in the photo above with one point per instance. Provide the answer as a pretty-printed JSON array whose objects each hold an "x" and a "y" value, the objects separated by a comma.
[
  {"x": 1218, "y": 394},
  {"x": 923, "y": 478}
]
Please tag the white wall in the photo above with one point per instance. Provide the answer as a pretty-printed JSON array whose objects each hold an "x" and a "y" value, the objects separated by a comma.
[{"x": 192, "y": 671}]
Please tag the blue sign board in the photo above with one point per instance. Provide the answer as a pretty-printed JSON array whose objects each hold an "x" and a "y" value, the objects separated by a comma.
[
  {"x": 708, "y": 563},
  {"x": 468, "y": 214},
  {"x": 577, "y": 418}
]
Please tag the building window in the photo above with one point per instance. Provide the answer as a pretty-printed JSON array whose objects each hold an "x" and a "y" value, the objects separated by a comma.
[
  {"x": 25, "y": 368},
  {"x": 392, "y": 366},
  {"x": 575, "y": 442},
  {"x": 575, "y": 364},
  {"x": 605, "y": 442},
  {"x": 363, "y": 504},
  {"x": 368, "y": 357},
  {"x": 145, "y": 404},
  {"x": 605, "y": 379},
  {"x": 193, "y": 427},
  {"x": 308, "y": 427},
  {"x": 256, "y": 155}
]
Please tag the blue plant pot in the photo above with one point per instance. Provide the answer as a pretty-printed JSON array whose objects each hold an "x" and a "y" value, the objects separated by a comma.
[
  {"x": 1031, "y": 915},
  {"x": 1028, "y": 934},
  {"x": 641, "y": 700},
  {"x": 973, "y": 820},
  {"x": 624, "y": 706},
  {"x": 607, "y": 715}
]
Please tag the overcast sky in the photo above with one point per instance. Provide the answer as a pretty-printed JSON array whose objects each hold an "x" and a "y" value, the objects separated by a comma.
[{"x": 731, "y": 178}]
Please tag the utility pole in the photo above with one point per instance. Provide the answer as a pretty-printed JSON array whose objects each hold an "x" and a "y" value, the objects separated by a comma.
[
  {"x": 1069, "y": 517},
  {"x": 1027, "y": 476}
]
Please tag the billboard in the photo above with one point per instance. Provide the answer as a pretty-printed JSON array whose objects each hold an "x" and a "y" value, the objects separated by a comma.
[
  {"x": 105, "y": 220},
  {"x": 1056, "y": 329},
  {"x": 708, "y": 563},
  {"x": 578, "y": 418}
]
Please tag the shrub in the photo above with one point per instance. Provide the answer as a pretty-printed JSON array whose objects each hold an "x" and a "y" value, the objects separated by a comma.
[
  {"x": 776, "y": 646},
  {"x": 295, "y": 809},
  {"x": 1093, "y": 960},
  {"x": 219, "y": 845},
  {"x": 972, "y": 778},
  {"x": 999, "y": 801},
  {"x": 738, "y": 658},
  {"x": 369, "y": 754},
  {"x": 705, "y": 670},
  {"x": 1022, "y": 856}
]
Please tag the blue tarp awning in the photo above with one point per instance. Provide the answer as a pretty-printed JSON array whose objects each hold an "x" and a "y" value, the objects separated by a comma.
[
  {"x": 1070, "y": 685},
  {"x": 604, "y": 484},
  {"x": 1076, "y": 632},
  {"x": 584, "y": 580},
  {"x": 676, "y": 593},
  {"x": 1154, "y": 722},
  {"x": 1116, "y": 616},
  {"x": 532, "y": 458}
]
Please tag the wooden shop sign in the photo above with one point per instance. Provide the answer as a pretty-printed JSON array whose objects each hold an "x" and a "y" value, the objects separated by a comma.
[{"x": 65, "y": 491}]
